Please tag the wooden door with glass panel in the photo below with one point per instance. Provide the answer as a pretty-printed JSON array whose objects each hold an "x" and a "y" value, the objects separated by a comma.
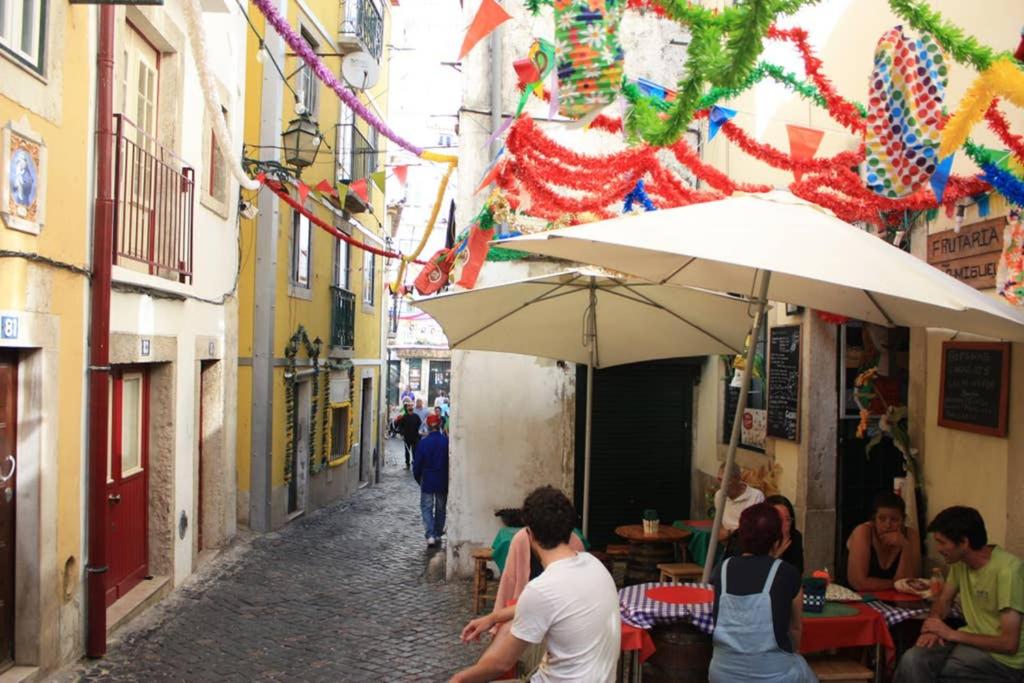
[{"x": 127, "y": 482}]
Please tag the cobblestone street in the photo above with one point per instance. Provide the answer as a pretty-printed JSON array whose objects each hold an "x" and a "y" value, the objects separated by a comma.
[{"x": 346, "y": 594}]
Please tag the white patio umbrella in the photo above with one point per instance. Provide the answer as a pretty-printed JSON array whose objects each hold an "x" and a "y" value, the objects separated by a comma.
[
  {"x": 594, "y": 319},
  {"x": 789, "y": 251}
]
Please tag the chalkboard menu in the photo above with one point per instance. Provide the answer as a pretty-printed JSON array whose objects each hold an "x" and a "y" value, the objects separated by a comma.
[
  {"x": 975, "y": 389},
  {"x": 784, "y": 382}
]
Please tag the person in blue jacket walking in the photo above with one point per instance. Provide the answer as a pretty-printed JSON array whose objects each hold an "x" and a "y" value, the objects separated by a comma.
[{"x": 430, "y": 469}]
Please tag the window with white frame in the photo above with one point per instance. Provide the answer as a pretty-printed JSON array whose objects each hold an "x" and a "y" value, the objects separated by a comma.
[
  {"x": 300, "y": 250},
  {"x": 23, "y": 30},
  {"x": 341, "y": 259},
  {"x": 369, "y": 277},
  {"x": 309, "y": 85}
]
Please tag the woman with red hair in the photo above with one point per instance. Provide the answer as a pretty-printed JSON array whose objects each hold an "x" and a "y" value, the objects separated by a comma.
[{"x": 758, "y": 604}]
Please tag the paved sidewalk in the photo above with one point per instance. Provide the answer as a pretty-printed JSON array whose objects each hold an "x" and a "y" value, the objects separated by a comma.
[{"x": 348, "y": 593}]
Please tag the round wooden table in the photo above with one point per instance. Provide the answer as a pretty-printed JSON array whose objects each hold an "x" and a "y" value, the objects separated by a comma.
[{"x": 647, "y": 551}]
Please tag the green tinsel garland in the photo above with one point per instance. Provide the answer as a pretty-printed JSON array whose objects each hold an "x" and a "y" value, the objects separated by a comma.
[
  {"x": 963, "y": 48},
  {"x": 291, "y": 351},
  {"x": 723, "y": 49}
]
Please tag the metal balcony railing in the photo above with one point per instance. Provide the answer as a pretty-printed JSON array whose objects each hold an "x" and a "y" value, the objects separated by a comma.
[
  {"x": 364, "y": 20},
  {"x": 154, "y": 194},
  {"x": 343, "y": 318}
]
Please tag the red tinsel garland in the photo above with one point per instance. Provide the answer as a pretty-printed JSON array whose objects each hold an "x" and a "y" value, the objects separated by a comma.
[
  {"x": 1001, "y": 127},
  {"x": 688, "y": 157}
]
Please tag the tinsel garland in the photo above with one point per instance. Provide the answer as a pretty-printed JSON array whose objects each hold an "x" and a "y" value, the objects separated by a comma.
[
  {"x": 1004, "y": 182},
  {"x": 291, "y": 351},
  {"x": 963, "y": 48},
  {"x": 1004, "y": 78},
  {"x": 211, "y": 96},
  {"x": 998, "y": 124},
  {"x": 688, "y": 157},
  {"x": 326, "y": 75},
  {"x": 708, "y": 61}
]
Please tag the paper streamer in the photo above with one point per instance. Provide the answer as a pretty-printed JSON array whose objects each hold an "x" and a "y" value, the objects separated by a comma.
[
  {"x": 211, "y": 96},
  {"x": 327, "y": 77},
  {"x": 905, "y": 101}
]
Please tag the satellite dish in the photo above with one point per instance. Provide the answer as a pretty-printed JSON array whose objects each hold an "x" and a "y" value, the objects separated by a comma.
[{"x": 360, "y": 70}]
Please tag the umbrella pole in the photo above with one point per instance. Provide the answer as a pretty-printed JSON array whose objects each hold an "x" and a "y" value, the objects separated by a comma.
[
  {"x": 737, "y": 421},
  {"x": 591, "y": 335}
]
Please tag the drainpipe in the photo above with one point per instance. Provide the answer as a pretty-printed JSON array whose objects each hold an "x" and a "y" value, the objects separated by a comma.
[
  {"x": 496, "y": 87},
  {"x": 99, "y": 340}
]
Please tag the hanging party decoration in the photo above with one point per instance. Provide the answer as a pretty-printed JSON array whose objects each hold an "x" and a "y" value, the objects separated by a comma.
[
  {"x": 587, "y": 54},
  {"x": 1018, "y": 54},
  {"x": 964, "y": 49},
  {"x": 325, "y": 187},
  {"x": 379, "y": 178},
  {"x": 941, "y": 176},
  {"x": 402, "y": 173},
  {"x": 803, "y": 143},
  {"x": 906, "y": 97},
  {"x": 477, "y": 246},
  {"x": 1010, "y": 271},
  {"x": 716, "y": 118},
  {"x": 436, "y": 273},
  {"x": 1003, "y": 78},
  {"x": 361, "y": 189},
  {"x": 638, "y": 195},
  {"x": 489, "y": 16},
  {"x": 211, "y": 95},
  {"x": 303, "y": 189}
]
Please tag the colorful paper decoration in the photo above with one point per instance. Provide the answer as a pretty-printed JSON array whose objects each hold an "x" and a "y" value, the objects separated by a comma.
[
  {"x": 1018, "y": 54},
  {"x": 303, "y": 191},
  {"x": 905, "y": 101},
  {"x": 325, "y": 187},
  {"x": 379, "y": 178},
  {"x": 803, "y": 143},
  {"x": 588, "y": 54},
  {"x": 489, "y": 16},
  {"x": 402, "y": 173},
  {"x": 361, "y": 190},
  {"x": 716, "y": 118},
  {"x": 1010, "y": 272}
]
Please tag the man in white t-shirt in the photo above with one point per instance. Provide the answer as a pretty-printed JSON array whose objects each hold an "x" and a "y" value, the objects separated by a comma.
[
  {"x": 572, "y": 607},
  {"x": 738, "y": 497}
]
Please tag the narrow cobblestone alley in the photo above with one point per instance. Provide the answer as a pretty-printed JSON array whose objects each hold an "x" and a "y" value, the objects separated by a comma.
[{"x": 346, "y": 594}]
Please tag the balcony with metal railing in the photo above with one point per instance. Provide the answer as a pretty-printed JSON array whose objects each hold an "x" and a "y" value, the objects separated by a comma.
[
  {"x": 362, "y": 27},
  {"x": 154, "y": 201},
  {"x": 343, "y": 318}
]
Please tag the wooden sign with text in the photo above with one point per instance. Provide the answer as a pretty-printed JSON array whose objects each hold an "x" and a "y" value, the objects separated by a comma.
[{"x": 971, "y": 255}]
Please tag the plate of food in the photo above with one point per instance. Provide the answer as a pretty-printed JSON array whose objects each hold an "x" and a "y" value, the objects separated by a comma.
[{"x": 919, "y": 587}]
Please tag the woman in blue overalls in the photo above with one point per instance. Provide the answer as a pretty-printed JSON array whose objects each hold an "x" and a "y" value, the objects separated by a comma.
[{"x": 758, "y": 603}]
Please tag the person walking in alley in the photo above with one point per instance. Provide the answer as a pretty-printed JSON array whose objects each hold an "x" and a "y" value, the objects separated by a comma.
[
  {"x": 423, "y": 412},
  {"x": 409, "y": 424},
  {"x": 430, "y": 469},
  {"x": 407, "y": 395},
  {"x": 572, "y": 607}
]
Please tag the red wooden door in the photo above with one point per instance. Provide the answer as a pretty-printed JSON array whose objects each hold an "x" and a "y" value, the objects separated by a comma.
[
  {"x": 127, "y": 487},
  {"x": 8, "y": 463}
]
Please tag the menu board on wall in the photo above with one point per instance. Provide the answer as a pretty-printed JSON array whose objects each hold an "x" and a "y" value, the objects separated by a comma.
[
  {"x": 975, "y": 387},
  {"x": 784, "y": 382}
]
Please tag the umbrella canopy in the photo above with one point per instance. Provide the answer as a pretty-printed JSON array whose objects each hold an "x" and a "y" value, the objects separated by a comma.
[
  {"x": 593, "y": 319},
  {"x": 544, "y": 316},
  {"x": 816, "y": 260}
]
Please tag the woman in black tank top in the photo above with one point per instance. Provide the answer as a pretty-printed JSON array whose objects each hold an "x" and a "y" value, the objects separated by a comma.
[{"x": 883, "y": 549}]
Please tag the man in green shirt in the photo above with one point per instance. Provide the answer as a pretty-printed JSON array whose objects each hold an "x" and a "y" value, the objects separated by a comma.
[{"x": 990, "y": 582}]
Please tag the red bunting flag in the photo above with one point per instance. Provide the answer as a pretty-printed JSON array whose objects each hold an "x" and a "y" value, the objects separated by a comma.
[
  {"x": 359, "y": 187},
  {"x": 803, "y": 143},
  {"x": 479, "y": 245},
  {"x": 325, "y": 187},
  {"x": 402, "y": 172},
  {"x": 303, "y": 191},
  {"x": 488, "y": 17}
]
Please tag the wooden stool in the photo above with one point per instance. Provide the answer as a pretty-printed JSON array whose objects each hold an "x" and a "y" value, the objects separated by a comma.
[
  {"x": 674, "y": 572},
  {"x": 481, "y": 556},
  {"x": 840, "y": 670}
]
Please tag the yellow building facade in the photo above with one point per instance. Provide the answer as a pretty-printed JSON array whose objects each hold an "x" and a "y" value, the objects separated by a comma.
[
  {"x": 46, "y": 86},
  {"x": 311, "y": 305}
]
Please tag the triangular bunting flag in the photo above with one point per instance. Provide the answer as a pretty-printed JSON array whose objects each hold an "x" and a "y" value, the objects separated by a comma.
[
  {"x": 324, "y": 187},
  {"x": 342, "y": 189},
  {"x": 402, "y": 172},
  {"x": 716, "y": 118},
  {"x": 488, "y": 17},
  {"x": 303, "y": 191},
  {"x": 378, "y": 178},
  {"x": 941, "y": 177},
  {"x": 361, "y": 190},
  {"x": 803, "y": 143}
]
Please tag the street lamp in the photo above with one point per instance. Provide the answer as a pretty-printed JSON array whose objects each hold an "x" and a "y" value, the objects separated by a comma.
[{"x": 301, "y": 141}]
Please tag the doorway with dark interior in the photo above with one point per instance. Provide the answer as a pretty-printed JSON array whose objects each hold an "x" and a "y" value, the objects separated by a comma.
[
  {"x": 641, "y": 443},
  {"x": 366, "y": 429},
  {"x": 8, "y": 498}
]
